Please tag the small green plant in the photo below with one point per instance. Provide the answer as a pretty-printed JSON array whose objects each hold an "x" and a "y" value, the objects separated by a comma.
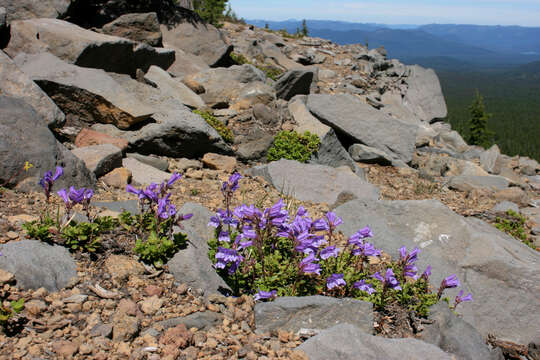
[
  {"x": 220, "y": 127},
  {"x": 8, "y": 315},
  {"x": 514, "y": 225},
  {"x": 239, "y": 59},
  {"x": 293, "y": 146},
  {"x": 86, "y": 236},
  {"x": 157, "y": 249},
  {"x": 42, "y": 230},
  {"x": 270, "y": 71},
  {"x": 194, "y": 192}
]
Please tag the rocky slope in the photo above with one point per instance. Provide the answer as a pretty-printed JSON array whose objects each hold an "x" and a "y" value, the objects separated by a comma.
[{"x": 113, "y": 104}]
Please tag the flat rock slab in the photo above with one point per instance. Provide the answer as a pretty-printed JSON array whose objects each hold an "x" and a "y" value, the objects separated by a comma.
[
  {"x": 315, "y": 183},
  {"x": 158, "y": 163},
  {"x": 362, "y": 123},
  {"x": 36, "y": 264},
  {"x": 28, "y": 9},
  {"x": 469, "y": 182},
  {"x": 144, "y": 174},
  {"x": 312, "y": 312},
  {"x": 24, "y": 136},
  {"x": 174, "y": 87},
  {"x": 88, "y": 137},
  {"x": 347, "y": 342},
  {"x": 15, "y": 83},
  {"x": 191, "y": 265},
  {"x": 294, "y": 82},
  {"x": 100, "y": 159},
  {"x": 502, "y": 274},
  {"x": 455, "y": 336},
  {"x": 424, "y": 95},
  {"x": 69, "y": 85},
  {"x": 85, "y": 48}
]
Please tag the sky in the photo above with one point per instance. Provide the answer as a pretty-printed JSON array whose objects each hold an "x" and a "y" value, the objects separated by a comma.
[{"x": 419, "y": 12}]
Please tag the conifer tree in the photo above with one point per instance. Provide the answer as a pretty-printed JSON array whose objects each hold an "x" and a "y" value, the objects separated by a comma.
[
  {"x": 210, "y": 11},
  {"x": 479, "y": 134},
  {"x": 305, "y": 30}
]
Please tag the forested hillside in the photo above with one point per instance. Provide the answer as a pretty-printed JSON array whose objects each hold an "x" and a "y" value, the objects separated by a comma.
[{"x": 512, "y": 96}]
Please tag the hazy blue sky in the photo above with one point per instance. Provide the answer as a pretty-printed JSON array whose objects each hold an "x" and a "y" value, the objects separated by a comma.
[{"x": 484, "y": 12}]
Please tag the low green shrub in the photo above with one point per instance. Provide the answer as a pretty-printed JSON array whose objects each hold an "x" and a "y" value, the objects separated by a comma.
[
  {"x": 293, "y": 146},
  {"x": 514, "y": 225},
  {"x": 220, "y": 127}
]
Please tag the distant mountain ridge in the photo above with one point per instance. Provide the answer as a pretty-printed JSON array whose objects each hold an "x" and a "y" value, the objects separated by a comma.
[{"x": 434, "y": 45}]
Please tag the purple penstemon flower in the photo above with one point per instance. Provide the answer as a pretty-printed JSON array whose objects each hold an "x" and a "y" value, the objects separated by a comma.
[
  {"x": 360, "y": 235},
  {"x": 48, "y": 179},
  {"x": 460, "y": 298},
  {"x": 230, "y": 186},
  {"x": 449, "y": 282},
  {"x": 363, "y": 286},
  {"x": 226, "y": 256},
  {"x": 389, "y": 280},
  {"x": 174, "y": 178},
  {"x": 333, "y": 220},
  {"x": 307, "y": 265},
  {"x": 335, "y": 280},
  {"x": 365, "y": 249},
  {"x": 328, "y": 252},
  {"x": 427, "y": 273},
  {"x": 265, "y": 295}
]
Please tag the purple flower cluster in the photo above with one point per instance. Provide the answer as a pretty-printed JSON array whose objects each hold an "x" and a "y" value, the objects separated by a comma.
[
  {"x": 73, "y": 197},
  {"x": 48, "y": 179},
  {"x": 265, "y": 295},
  {"x": 156, "y": 198},
  {"x": 389, "y": 280},
  {"x": 407, "y": 261}
]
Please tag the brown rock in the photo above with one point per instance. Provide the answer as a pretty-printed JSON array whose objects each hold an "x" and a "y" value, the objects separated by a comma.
[
  {"x": 178, "y": 336},
  {"x": 35, "y": 307},
  {"x": 127, "y": 307},
  {"x": 151, "y": 305},
  {"x": 512, "y": 194},
  {"x": 89, "y": 137},
  {"x": 194, "y": 85},
  {"x": 152, "y": 290},
  {"x": 65, "y": 349},
  {"x": 22, "y": 218},
  {"x": 121, "y": 267},
  {"x": 219, "y": 162},
  {"x": 125, "y": 327},
  {"x": 118, "y": 178}
]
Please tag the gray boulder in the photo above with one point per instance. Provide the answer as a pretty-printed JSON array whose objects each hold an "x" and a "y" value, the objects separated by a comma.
[
  {"x": 144, "y": 174},
  {"x": 186, "y": 64},
  {"x": 158, "y": 163},
  {"x": 142, "y": 27},
  {"x": 369, "y": 155},
  {"x": 455, "y": 336},
  {"x": 469, "y": 182},
  {"x": 504, "y": 206},
  {"x": 528, "y": 166},
  {"x": 226, "y": 85},
  {"x": 175, "y": 130},
  {"x": 488, "y": 159},
  {"x": 131, "y": 206},
  {"x": 17, "y": 84},
  {"x": 100, "y": 159},
  {"x": 36, "y": 264},
  {"x": 424, "y": 95},
  {"x": 24, "y": 136},
  {"x": 347, "y": 342},
  {"x": 312, "y": 312},
  {"x": 29, "y": 9},
  {"x": 85, "y": 48},
  {"x": 314, "y": 183},
  {"x": 452, "y": 140},
  {"x": 191, "y": 265},
  {"x": 356, "y": 120},
  {"x": 174, "y": 88},
  {"x": 293, "y": 82},
  {"x": 4, "y": 28},
  {"x": 86, "y": 95},
  {"x": 331, "y": 152},
  {"x": 501, "y": 273},
  {"x": 200, "y": 39}
]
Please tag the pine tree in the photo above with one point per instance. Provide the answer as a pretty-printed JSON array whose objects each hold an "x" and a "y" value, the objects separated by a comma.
[
  {"x": 479, "y": 134},
  {"x": 305, "y": 30},
  {"x": 210, "y": 11}
]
